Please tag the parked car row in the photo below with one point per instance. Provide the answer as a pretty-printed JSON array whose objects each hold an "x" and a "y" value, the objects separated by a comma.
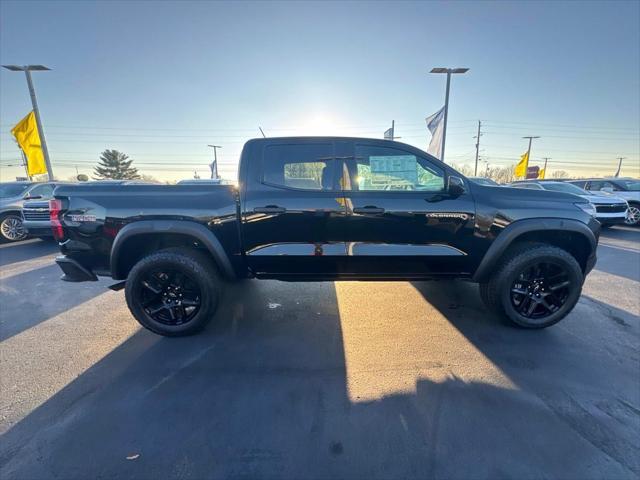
[{"x": 615, "y": 200}]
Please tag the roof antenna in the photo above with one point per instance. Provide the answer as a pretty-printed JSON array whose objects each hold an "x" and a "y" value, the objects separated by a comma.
[{"x": 263, "y": 135}]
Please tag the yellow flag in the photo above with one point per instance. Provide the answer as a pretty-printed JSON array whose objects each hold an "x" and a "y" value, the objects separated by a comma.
[
  {"x": 521, "y": 167},
  {"x": 26, "y": 133},
  {"x": 541, "y": 174}
]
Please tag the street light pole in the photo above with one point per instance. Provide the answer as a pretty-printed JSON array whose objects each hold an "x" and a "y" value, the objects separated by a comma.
[
  {"x": 27, "y": 69},
  {"x": 214, "y": 169},
  {"x": 448, "y": 71}
]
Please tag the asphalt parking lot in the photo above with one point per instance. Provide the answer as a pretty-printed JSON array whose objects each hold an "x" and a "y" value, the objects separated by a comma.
[{"x": 319, "y": 380}]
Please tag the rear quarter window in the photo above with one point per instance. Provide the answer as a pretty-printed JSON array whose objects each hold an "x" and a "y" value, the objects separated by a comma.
[{"x": 299, "y": 166}]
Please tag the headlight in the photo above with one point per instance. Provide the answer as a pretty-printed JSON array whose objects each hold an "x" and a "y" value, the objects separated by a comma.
[{"x": 587, "y": 208}]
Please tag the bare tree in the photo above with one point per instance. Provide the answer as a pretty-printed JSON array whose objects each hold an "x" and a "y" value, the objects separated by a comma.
[{"x": 559, "y": 174}]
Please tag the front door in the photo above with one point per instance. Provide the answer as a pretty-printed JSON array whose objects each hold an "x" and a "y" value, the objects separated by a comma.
[
  {"x": 401, "y": 222},
  {"x": 293, "y": 217}
]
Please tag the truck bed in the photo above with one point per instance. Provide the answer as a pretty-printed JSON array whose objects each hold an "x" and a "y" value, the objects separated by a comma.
[{"x": 94, "y": 214}]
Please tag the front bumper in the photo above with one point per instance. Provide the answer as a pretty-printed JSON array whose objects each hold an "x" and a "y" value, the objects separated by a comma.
[
  {"x": 73, "y": 271},
  {"x": 38, "y": 228},
  {"x": 611, "y": 220}
]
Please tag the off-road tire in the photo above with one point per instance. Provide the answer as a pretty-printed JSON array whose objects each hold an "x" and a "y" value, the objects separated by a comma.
[
  {"x": 496, "y": 292},
  {"x": 195, "y": 265}
]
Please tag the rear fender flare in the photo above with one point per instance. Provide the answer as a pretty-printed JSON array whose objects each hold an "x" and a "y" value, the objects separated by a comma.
[
  {"x": 193, "y": 229},
  {"x": 520, "y": 227}
]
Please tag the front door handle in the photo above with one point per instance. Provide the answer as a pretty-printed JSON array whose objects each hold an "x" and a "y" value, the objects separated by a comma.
[
  {"x": 369, "y": 209},
  {"x": 270, "y": 209}
]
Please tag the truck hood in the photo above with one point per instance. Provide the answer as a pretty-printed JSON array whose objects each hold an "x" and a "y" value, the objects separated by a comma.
[{"x": 548, "y": 195}]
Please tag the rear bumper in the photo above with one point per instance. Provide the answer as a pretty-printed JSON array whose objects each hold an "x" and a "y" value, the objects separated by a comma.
[{"x": 73, "y": 271}]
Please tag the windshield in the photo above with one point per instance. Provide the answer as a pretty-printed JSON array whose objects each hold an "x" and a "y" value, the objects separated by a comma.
[
  {"x": 630, "y": 185},
  {"x": 12, "y": 189},
  {"x": 564, "y": 187}
]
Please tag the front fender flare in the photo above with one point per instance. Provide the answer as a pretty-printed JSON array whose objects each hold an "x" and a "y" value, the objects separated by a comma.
[
  {"x": 205, "y": 236},
  {"x": 519, "y": 227}
]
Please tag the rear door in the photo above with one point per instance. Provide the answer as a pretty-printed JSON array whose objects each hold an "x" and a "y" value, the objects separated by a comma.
[
  {"x": 400, "y": 220},
  {"x": 293, "y": 213}
]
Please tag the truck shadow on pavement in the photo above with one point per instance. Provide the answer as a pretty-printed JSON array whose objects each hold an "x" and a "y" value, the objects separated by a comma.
[
  {"x": 11, "y": 253},
  {"x": 32, "y": 291},
  {"x": 263, "y": 393}
]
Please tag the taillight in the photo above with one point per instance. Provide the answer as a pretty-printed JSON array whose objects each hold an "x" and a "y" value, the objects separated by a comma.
[{"x": 55, "y": 208}]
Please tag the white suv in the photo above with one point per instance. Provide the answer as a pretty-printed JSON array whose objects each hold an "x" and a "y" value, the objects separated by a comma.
[{"x": 627, "y": 188}]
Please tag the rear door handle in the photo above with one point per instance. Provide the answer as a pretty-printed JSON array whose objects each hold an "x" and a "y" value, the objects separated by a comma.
[
  {"x": 369, "y": 209},
  {"x": 270, "y": 209}
]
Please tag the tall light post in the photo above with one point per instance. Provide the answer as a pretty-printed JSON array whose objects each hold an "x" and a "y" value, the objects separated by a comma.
[
  {"x": 27, "y": 69},
  {"x": 448, "y": 71},
  {"x": 214, "y": 168}
]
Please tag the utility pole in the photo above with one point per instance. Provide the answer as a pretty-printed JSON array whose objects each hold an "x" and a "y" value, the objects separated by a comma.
[
  {"x": 546, "y": 159},
  {"x": 619, "y": 165},
  {"x": 529, "y": 153},
  {"x": 214, "y": 165},
  {"x": 27, "y": 69},
  {"x": 477, "y": 148},
  {"x": 448, "y": 71}
]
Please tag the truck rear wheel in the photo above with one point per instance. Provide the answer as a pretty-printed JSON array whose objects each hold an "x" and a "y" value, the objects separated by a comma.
[
  {"x": 173, "y": 292},
  {"x": 535, "y": 286}
]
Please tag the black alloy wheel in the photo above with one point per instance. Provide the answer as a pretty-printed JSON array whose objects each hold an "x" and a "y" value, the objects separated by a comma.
[
  {"x": 173, "y": 292},
  {"x": 535, "y": 285},
  {"x": 169, "y": 296},
  {"x": 541, "y": 290}
]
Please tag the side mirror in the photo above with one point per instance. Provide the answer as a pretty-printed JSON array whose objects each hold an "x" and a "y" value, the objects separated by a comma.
[{"x": 455, "y": 186}]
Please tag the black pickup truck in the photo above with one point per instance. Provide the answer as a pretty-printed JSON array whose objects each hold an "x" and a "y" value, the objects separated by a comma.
[{"x": 318, "y": 208}]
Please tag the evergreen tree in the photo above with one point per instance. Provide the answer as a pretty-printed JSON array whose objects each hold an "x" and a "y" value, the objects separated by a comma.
[{"x": 115, "y": 165}]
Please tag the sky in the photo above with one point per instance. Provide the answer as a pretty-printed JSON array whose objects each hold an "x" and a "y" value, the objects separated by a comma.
[{"x": 160, "y": 81}]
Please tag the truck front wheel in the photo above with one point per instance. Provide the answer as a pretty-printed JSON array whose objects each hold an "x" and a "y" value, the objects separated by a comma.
[
  {"x": 534, "y": 286},
  {"x": 173, "y": 292}
]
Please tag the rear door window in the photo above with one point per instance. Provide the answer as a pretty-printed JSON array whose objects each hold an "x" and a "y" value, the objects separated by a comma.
[{"x": 299, "y": 166}]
